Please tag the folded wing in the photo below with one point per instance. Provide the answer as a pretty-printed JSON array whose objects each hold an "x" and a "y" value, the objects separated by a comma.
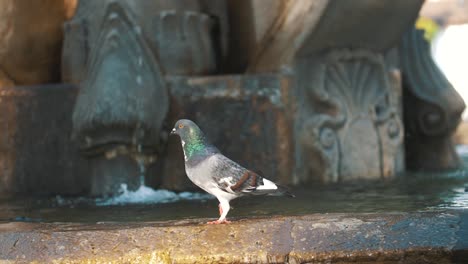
[{"x": 235, "y": 179}]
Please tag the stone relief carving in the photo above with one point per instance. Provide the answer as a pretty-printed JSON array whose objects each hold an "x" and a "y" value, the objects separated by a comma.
[
  {"x": 123, "y": 100},
  {"x": 435, "y": 105},
  {"x": 123, "y": 55},
  {"x": 184, "y": 42},
  {"x": 350, "y": 125},
  {"x": 180, "y": 35},
  {"x": 119, "y": 51},
  {"x": 122, "y": 66}
]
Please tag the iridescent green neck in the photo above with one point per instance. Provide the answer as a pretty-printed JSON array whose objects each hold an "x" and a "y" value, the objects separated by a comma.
[{"x": 193, "y": 146}]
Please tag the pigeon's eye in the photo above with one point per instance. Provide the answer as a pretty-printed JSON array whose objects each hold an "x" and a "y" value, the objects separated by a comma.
[{"x": 181, "y": 126}]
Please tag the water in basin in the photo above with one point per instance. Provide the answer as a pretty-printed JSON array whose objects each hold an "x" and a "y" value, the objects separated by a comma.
[{"x": 409, "y": 192}]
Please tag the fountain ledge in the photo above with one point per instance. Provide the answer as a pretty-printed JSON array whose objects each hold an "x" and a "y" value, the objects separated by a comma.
[{"x": 419, "y": 237}]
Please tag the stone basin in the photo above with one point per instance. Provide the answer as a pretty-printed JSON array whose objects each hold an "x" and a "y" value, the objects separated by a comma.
[
  {"x": 418, "y": 237},
  {"x": 420, "y": 218},
  {"x": 375, "y": 223}
]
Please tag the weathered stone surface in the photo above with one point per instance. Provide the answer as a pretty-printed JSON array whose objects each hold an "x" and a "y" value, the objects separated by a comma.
[
  {"x": 31, "y": 54},
  {"x": 279, "y": 44},
  {"x": 267, "y": 33},
  {"x": 348, "y": 125},
  {"x": 184, "y": 42},
  {"x": 107, "y": 173},
  {"x": 119, "y": 53},
  {"x": 36, "y": 151},
  {"x": 432, "y": 106},
  {"x": 447, "y": 12},
  {"x": 249, "y": 21},
  {"x": 377, "y": 26},
  {"x": 303, "y": 28},
  {"x": 247, "y": 117},
  {"x": 263, "y": 141},
  {"x": 179, "y": 34},
  {"x": 363, "y": 238},
  {"x": 348, "y": 120},
  {"x": 336, "y": 116},
  {"x": 123, "y": 101},
  {"x": 123, "y": 86}
]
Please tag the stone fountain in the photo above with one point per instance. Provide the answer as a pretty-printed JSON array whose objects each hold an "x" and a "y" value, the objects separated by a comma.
[
  {"x": 323, "y": 92},
  {"x": 303, "y": 91}
]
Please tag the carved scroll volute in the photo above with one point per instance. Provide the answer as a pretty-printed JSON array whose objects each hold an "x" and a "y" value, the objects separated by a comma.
[
  {"x": 350, "y": 125},
  {"x": 441, "y": 111},
  {"x": 432, "y": 107}
]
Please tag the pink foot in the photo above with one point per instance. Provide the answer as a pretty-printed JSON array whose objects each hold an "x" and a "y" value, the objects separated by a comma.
[{"x": 217, "y": 222}]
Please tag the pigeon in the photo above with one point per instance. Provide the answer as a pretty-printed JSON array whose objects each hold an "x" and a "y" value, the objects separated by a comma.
[{"x": 216, "y": 174}]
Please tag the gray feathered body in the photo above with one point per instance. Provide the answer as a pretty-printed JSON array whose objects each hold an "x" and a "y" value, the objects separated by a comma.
[{"x": 222, "y": 177}]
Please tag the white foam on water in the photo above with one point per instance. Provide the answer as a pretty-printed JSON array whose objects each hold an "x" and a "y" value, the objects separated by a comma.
[{"x": 147, "y": 195}]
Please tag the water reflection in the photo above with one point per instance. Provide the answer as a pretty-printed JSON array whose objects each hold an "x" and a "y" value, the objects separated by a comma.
[
  {"x": 409, "y": 192},
  {"x": 456, "y": 199}
]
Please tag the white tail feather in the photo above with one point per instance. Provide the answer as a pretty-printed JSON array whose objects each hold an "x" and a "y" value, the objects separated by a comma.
[{"x": 267, "y": 185}]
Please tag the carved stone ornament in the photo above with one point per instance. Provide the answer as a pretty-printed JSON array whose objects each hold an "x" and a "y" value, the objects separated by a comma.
[
  {"x": 120, "y": 52},
  {"x": 432, "y": 106},
  {"x": 179, "y": 34},
  {"x": 123, "y": 86},
  {"x": 122, "y": 103},
  {"x": 349, "y": 127},
  {"x": 184, "y": 42}
]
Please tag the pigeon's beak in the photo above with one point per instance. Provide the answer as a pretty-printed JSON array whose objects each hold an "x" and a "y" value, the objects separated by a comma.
[{"x": 173, "y": 132}]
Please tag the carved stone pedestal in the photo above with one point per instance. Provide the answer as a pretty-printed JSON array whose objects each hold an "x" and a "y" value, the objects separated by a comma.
[{"x": 348, "y": 124}]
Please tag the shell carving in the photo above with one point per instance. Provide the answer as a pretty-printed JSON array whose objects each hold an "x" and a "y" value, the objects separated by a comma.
[{"x": 353, "y": 118}]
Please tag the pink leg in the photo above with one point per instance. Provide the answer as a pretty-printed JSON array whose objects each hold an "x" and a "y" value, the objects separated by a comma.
[{"x": 225, "y": 221}]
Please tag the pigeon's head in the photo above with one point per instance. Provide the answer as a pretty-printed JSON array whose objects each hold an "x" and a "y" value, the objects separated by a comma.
[{"x": 186, "y": 130}]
